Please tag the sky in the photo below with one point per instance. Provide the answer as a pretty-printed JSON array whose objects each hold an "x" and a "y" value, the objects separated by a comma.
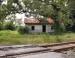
[
  {"x": 18, "y": 16},
  {"x": 4, "y": 2}
]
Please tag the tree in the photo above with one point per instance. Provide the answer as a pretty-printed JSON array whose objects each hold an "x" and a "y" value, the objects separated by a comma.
[
  {"x": 55, "y": 9},
  {"x": 71, "y": 8},
  {"x": 3, "y": 12},
  {"x": 71, "y": 13},
  {"x": 12, "y": 7}
]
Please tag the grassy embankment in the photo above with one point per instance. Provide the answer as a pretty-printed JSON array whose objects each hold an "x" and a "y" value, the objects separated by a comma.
[{"x": 13, "y": 37}]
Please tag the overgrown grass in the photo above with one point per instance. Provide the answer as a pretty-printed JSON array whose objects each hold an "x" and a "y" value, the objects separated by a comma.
[{"x": 13, "y": 37}]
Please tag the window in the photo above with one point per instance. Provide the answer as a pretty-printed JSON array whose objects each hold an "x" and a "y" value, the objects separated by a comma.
[{"x": 33, "y": 27}]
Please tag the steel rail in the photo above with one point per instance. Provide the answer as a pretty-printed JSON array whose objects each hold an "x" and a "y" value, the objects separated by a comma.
[{"x": 56, "y": 47}]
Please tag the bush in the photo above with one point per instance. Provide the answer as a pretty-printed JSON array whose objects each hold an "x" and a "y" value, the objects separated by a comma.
[
  {"x": 23, "y": 29},
  {"x": 1, "y": 26},
  {"x": 9, "y": 26}
]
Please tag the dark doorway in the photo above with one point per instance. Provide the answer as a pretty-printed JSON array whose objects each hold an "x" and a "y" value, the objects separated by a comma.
[
  {"x": 33, "y": 28},
  {"x": 44, "y": 28}
]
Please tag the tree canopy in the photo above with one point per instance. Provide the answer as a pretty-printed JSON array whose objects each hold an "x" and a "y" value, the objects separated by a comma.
[{"x": 59, "y": 10}]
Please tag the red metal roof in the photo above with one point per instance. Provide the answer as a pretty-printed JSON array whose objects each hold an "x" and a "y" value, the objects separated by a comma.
[
  {"x": 37, "y": 21},
  {"x": 31, "y": 20}
]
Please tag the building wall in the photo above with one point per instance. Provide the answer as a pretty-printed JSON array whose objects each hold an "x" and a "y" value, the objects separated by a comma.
[
  {"x": 38, "y": 28},
  {"x": 48, "y": 28}
]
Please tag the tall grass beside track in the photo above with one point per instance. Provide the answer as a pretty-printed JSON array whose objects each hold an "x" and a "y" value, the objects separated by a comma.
[{"x": 8, "y": 37}]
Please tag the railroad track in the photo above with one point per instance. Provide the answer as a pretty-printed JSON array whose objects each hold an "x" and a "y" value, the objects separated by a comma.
[{"x": 6, "y": 51}]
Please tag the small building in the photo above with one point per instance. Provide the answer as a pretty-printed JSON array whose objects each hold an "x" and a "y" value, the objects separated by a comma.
[{"x": 39, "y": 25}]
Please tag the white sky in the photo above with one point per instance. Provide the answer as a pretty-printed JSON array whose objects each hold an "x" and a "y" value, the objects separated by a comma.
[
  {"x": 20, "y": 16},
  {"x": 4, "y": 2}
]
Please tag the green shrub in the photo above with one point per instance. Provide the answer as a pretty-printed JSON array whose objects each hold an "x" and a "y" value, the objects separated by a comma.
[
  {"x": 9, "y": 26},
  {"x": 1, "y": 26},
  {"x": 23, "y": 29}
]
